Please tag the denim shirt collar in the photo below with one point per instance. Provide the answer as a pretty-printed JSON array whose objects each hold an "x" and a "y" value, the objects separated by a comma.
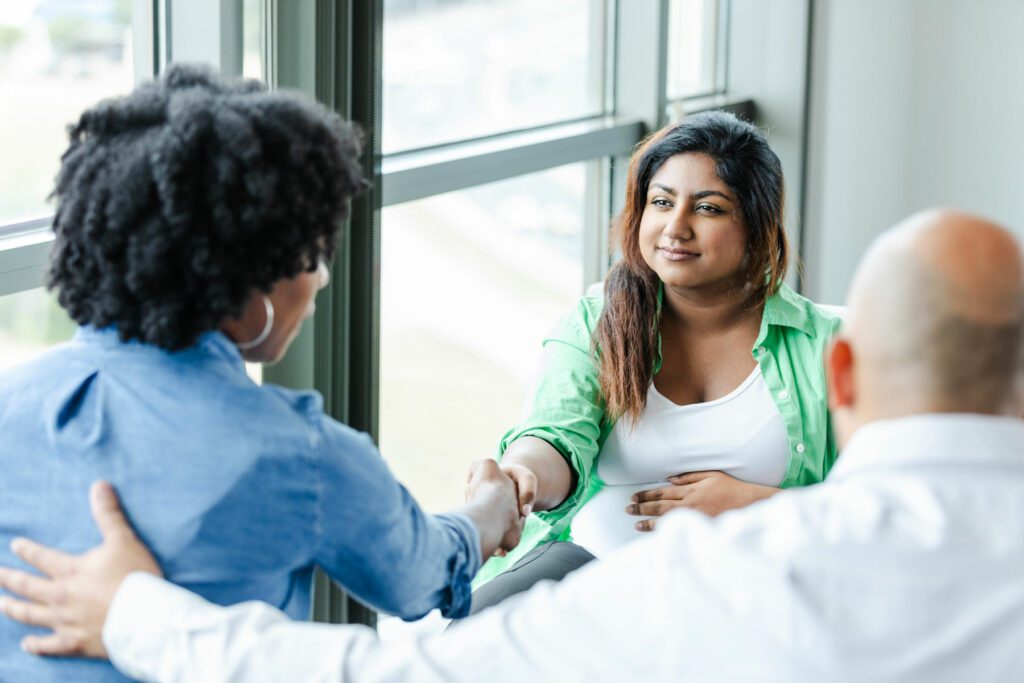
[{"x": 212, "y": 344}]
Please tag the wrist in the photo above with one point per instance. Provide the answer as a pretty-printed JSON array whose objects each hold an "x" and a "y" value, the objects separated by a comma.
[
  {"x": 490, "y": 526},
  {"x": 759, "y": 492}
]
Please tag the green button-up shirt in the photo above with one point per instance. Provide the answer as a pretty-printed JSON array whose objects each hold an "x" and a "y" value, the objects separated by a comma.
[{"x": 568, "y": 410}]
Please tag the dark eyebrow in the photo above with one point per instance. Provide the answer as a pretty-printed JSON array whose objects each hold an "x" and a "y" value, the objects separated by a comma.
[
  {"x": 696, "y": 195},
  {"x": 711, "y": 193}
]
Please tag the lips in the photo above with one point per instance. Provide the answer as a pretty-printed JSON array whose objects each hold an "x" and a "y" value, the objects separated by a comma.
[{"x": 672, "y": 254}]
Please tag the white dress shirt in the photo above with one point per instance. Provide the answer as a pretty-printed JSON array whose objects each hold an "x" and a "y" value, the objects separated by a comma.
[{"x": 906, "y": 565}]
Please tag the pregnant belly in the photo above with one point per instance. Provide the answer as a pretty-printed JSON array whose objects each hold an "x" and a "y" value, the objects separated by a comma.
[{"x": 603, "y": 524}]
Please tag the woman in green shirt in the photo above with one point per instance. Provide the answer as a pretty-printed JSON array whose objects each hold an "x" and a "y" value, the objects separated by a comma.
[{"x": 695, "y": 381}]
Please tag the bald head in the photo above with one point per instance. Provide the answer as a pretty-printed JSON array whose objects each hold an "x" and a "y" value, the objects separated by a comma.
[{"x": 937, "y": 317}]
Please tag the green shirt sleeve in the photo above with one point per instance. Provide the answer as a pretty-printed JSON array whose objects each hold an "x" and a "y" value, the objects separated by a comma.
[{"x": 566, "y": 408}]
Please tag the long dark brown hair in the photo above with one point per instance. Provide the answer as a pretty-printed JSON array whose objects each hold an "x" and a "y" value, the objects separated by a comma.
[{"x": 627, "y": 331}]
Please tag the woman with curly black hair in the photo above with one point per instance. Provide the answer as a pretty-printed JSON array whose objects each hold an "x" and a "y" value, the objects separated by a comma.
[{"x": 194, "y": 220}]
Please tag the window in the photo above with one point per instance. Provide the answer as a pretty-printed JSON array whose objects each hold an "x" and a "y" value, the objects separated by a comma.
[
  {"x": 57, "y": 57},
  {"x": 30, "y": 321},
  {"x": 461, "y": 69},
  {"x": 253, "y": 19},
  {"x": 695, "y": 41},
  {"x": 471, "y": 282}
]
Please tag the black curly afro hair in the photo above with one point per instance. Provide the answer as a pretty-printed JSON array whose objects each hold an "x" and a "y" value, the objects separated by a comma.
[{"x": 176, "y": 202}]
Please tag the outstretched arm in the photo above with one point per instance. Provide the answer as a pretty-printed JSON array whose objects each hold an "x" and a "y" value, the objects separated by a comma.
[
  {"x": 385, "y": 549},
  {"x": 110, "y": 601},
  {"x": 542, "y": 476},
  {"x": 155, "y": 631}
]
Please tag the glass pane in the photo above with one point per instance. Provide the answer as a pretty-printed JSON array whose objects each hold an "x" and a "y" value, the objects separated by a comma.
[
  {"x": 471, "y": 282},
  {"x": 30, "y": 321},
  {"x": 252, "y": 38},
  {"x": 57, "y": 57},
  {"x": 458, "y": 69},
  {"x": 692, "y": 48}
]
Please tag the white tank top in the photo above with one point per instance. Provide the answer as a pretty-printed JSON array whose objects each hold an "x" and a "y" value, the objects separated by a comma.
[{"x": 741, "y": 434}]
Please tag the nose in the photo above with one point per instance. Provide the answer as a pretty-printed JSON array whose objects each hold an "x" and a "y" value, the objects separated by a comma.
[{"x": 678, "y": 226}]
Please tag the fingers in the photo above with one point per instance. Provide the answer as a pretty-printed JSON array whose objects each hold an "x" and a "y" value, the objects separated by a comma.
[
  {"x": 654, "y": 508},
  {"x": 646, "y": 525},
  {"x": 28, "y": 613},
  {"x": 35, "y": 588},
  {"x": 50, "y": 562},
  {"x": 690, "y": 477},
  {"x": 107, "y": 512},
  {"x": 526, "y": 485},
  {"x": 53, "y": 645},
  {"x": 663, "y": 493}
]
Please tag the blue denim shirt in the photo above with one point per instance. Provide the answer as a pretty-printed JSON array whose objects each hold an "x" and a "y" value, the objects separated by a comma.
[{"x": 240, "y": 490}]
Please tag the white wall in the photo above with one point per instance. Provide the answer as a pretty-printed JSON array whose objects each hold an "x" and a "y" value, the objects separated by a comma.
[
  {"x": 767, "y": 62},
  {"x": 914, "y": 103}
]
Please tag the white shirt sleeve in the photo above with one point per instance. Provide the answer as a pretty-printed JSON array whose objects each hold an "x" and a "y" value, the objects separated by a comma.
[
  {"x": 156, "y": 631},
  {"x": 650, "y": 613}
]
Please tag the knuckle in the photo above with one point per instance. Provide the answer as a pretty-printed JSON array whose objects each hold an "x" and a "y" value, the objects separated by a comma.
[{"x": 72, "y": 642}]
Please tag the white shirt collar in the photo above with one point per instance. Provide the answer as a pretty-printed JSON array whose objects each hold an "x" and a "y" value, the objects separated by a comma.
[{"x": 939, "y": 438}]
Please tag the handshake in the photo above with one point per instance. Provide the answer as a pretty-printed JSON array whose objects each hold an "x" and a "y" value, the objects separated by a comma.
[{"x": 498, "y": 500}]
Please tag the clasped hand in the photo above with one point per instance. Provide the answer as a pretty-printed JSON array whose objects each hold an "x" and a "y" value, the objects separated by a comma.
[
  {"x": 708, "y": 492},
  {"x": 489, "y": 485}
]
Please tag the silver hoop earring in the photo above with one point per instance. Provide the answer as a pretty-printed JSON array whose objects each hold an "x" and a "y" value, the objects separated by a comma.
[{"x": 267, "y": 327}]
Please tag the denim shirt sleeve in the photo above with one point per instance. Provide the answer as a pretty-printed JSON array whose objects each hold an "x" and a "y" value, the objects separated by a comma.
[{"x": 375, "y": 540}]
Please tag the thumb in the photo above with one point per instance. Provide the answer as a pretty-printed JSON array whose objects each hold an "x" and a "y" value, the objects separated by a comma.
[
  {"x": 527, "y": 492},
  {"x": 107, "y": 512}
]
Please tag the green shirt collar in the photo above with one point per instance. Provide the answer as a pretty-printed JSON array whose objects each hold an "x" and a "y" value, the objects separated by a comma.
[{"x": 789, "y": 309}]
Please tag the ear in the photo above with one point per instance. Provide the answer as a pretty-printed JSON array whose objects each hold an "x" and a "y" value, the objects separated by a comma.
[{"x": 839, "y": 364}]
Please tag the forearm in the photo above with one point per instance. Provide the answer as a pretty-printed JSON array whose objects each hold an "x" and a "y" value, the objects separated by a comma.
[
  {"x": 159, "y": 632},
  {"x": 555, "y": 479},
  {"x": 490, "y": 521}
]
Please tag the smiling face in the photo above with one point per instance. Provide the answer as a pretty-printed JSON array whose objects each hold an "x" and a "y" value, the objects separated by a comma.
[{"x": 691, "y": 233}]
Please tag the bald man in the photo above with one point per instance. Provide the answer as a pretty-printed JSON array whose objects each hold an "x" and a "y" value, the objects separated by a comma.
[{"x": 907, "y": 564}]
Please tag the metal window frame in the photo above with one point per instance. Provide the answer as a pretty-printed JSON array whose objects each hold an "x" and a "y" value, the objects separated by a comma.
[
  {"x": 410, "y": 176},
  {"x": 716, "y": 23},
  {"x": 25, "y": 245}
]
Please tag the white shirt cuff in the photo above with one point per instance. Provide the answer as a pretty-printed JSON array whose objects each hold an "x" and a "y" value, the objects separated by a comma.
[{"x": 140, "y": 622}]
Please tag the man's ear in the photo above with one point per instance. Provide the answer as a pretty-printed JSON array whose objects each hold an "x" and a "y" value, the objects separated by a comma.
[{"x": 839, "y": 362}]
